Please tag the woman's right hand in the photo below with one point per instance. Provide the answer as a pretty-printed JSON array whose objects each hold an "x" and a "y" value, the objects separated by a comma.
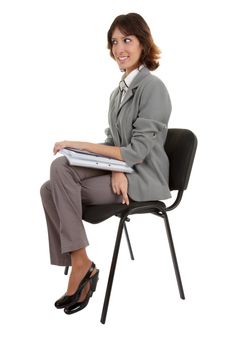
[
  {"x": 60, "y": 145},
  {"x": 120, "y": 185}
]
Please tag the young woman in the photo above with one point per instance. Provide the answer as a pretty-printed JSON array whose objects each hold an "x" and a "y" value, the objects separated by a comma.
[{"x": 138, "y": 116}]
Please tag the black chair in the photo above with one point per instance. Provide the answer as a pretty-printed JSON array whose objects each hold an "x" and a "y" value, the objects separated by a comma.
[{"x": 180, "y": 147}]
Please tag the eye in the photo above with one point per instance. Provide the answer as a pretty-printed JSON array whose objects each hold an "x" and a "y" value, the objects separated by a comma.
[
  {"x": 127, "y": 40},
  {"x": 114, "y": 42}
]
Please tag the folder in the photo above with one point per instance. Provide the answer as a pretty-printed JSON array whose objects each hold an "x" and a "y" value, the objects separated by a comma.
[{"x": 77, "y": 157}]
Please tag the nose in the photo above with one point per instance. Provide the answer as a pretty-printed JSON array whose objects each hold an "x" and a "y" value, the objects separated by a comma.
[{"x": 119, "y": 49}]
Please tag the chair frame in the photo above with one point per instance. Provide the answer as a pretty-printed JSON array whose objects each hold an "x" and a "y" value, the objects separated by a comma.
[
  {"x": 153, "y": 209},
  {"x": 157, "y": 208},
  {"x": 143, "y": 209}
]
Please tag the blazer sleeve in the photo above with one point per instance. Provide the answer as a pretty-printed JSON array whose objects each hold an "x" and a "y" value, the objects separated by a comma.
[
  {"x": 109, "y": 140},
  {"x": 153, "y": 115}
]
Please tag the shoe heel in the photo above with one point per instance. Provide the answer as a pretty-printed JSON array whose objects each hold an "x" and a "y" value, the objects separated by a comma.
[{"x": 94, "y": 281}]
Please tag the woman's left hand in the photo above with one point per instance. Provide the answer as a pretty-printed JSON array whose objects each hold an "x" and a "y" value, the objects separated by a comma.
[{"x": 120, "y": 185}]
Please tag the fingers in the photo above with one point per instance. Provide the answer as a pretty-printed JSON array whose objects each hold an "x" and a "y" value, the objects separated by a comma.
[
  {"x": 125, "y": 198},
  {"x": 116, "y": 190},
  {"x": 58, "y": 146},
  {"x": 120, "y": 186},
  {"x": 55, "y": 150},
  {"x": 116, "y": 187}
]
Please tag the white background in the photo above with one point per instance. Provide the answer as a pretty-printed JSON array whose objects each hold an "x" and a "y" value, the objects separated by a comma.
[{"x": 56, "y": 78}]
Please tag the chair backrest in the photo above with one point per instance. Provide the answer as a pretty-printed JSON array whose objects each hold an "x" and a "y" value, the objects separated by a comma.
[{"x": 180, "y": 146}]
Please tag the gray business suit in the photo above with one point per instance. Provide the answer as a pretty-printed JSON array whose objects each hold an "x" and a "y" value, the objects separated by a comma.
[{"x": 139, "y": 127}]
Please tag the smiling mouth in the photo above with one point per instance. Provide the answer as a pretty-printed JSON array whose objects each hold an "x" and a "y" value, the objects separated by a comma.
[{"x": 123, "y": 59}]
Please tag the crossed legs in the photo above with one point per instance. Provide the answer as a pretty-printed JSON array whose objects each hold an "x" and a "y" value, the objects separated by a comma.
[{"x": 63, "y": 197}]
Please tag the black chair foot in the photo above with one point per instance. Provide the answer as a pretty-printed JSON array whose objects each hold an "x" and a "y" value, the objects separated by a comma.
[
  {"x": 66, "y": 270},
  {"x": 112, "y": 270},
  {"x": 173, "y": 254}
]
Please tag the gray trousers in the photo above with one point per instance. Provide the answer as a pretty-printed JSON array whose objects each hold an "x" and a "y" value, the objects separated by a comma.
[{"x": 63, "y": 196}]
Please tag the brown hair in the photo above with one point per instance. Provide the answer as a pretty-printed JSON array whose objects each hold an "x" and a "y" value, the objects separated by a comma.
[{"x": 134, "y": 24}]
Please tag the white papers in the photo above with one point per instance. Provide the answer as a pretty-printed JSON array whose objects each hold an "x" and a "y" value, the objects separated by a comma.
[{"x": 78, "y": 157}]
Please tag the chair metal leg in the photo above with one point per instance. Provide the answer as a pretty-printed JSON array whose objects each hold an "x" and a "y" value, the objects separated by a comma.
[
  {"x": 112, "y": 271},
  {"x": 173, "y": 254},
  {"x": 66, "y": 270},
  {"x": 128, "y": 241}
]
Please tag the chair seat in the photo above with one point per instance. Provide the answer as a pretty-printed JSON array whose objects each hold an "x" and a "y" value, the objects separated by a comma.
[{"x": 98, "y": 213}]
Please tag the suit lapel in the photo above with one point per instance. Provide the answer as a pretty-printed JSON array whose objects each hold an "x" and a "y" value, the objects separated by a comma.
[
  {"x": 115, "y": 105},
  {"x": 128, "y": 96},
  {"x": 133, "y": 86},
  {"x": 118, "y": 100}
]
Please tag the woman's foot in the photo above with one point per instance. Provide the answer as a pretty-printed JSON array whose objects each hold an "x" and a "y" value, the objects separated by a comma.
[
  {"x": 83, "y": 300},
  {"x": 76, "y": 276},
  {"x": 77, "y": 286}
]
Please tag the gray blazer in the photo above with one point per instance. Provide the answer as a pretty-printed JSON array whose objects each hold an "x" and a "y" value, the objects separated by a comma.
[{"x": 139, "y": 127}]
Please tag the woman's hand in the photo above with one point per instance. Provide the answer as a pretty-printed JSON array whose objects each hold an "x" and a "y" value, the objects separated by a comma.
[
  {"x": 73, "y": 144},
  {"x": 58, "y": 146},
  {"x": 120, "y": 185}
]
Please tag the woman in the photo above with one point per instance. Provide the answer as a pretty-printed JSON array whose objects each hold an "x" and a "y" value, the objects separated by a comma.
[{"x": 138, "y": 115}]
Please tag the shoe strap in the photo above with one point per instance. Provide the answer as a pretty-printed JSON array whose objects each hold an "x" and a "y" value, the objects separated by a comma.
[{"x": 88, "y": 275}]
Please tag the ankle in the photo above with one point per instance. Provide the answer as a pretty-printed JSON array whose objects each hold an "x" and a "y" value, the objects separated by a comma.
[
  {"x": 79, "y": 265},
  {"x": 79, "y": 259}
]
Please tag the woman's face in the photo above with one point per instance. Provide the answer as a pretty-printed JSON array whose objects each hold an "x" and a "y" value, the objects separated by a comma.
[{"x": 126, "y": 50}]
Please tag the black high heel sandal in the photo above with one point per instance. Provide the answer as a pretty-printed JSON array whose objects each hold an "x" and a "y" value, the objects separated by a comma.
[
  {"x": 78, "y": 306},
  {"x": 66, "y": 300}
]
